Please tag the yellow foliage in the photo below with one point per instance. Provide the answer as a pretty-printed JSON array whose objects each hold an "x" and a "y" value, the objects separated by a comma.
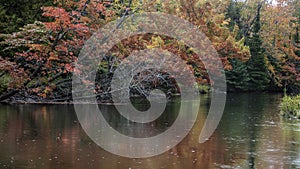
[{"x": 156, "y": 42}]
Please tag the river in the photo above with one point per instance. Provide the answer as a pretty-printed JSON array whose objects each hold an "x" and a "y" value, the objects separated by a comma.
[{"x": 251, "y": 134}]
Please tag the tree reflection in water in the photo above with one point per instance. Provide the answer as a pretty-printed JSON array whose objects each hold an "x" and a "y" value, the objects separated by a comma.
[{"x": 251, "y": 135}]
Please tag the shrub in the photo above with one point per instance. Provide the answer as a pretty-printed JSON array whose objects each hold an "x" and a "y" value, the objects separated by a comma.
[{"x": 290, "y": 106}]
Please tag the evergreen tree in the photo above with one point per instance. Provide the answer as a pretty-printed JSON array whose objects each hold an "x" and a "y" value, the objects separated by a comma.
[
  {"x": 237, "y": 78},
  {"x": 257, "y": 69},
  {"x": 233, "y": 13},
  {"x": 17, "y": 13}
]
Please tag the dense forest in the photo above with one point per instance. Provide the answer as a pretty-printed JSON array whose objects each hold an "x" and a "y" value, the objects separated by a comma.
[{"x": 258, "y": 42}]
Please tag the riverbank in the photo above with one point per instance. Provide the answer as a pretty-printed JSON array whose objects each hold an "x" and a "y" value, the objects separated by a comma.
[
  {"x": 38, "y": 100},
  {"x": 290, "y": 106},
  {"x": 20, "y": 99}
]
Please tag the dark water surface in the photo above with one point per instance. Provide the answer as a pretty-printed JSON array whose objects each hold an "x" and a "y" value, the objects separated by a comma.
[{"x": 251, "y": 135}]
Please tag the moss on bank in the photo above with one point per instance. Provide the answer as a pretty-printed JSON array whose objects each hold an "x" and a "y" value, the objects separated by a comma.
[{"x": 290, "y": 106}]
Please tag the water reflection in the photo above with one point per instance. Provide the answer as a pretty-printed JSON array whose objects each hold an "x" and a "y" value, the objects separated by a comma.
[
  {"x": 141, "y": 130},
  {"x": 251, "y": 135}
]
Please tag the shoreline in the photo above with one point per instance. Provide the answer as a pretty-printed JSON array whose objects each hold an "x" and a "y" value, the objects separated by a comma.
[
  {"x": 105, "y": 102},
  {"x": 41, "y": 102}
]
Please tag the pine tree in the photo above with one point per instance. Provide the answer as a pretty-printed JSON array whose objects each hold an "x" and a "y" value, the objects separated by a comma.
[
  {"x": 233, "y": 13},
  {"x": 16, "y": 13},
  {"x": 257, "y": 69},
  {"x": 237, "y": 78}
]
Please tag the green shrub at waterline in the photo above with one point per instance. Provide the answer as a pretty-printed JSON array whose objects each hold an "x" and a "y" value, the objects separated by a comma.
[{"x": 290, "y": 106}]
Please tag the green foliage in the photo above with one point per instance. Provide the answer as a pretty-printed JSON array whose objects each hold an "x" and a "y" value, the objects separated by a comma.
[
  {"x": 17, "y": 13},
  {"x": 257, "y": 68},
  {"x": 234, "y": 14},
  {"x": 252, "y": 75},
  {"x": 237, "y": 78},
  {"x": 4, "y": 81},
  {"x": 290, "y": 106},
  {"x": 204, "y": 89}
]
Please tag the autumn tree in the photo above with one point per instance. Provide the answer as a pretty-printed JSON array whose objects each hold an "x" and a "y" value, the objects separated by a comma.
[
  {"x": 45, "y": 51},
  {"x": 279, "y": 26},
  {"x": 258, "y": 43}
]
